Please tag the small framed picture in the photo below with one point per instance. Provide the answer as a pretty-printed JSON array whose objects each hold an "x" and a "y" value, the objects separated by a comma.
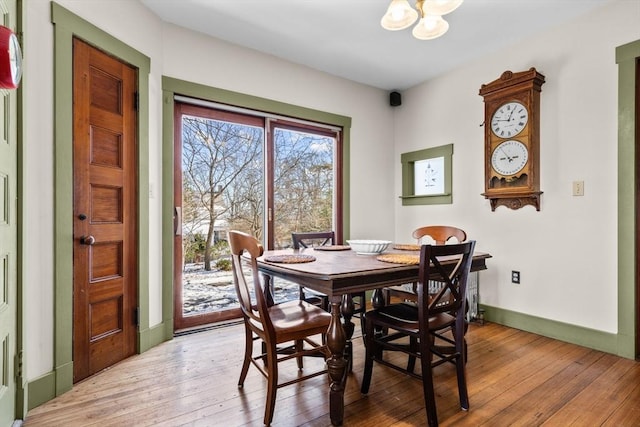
[{"x": 426, "y": 176}]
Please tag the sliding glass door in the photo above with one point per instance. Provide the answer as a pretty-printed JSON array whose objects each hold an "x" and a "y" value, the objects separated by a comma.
[
  {"x": 303, "y": 181},
  {"x": 244, "y": 171}
]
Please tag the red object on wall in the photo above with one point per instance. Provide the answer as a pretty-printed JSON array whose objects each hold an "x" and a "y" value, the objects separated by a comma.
[{"x": 10, "y": 59}]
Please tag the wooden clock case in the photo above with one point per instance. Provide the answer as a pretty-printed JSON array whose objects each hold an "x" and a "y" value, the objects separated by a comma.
[{"x": 522, "y": 188}]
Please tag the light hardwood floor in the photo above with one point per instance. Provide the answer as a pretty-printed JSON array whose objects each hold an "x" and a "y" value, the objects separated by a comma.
[{"x": 515, "y": 378}]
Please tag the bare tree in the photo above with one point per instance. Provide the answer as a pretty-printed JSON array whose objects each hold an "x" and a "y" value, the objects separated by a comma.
[
  {"x": 303, "y": 183},
  {"x": 245, "y": 201},
  {"x": 224, "y": 173},
  {"x": 215, "y": 157}
]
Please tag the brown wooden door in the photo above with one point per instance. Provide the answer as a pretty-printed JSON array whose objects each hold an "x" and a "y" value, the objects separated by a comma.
[{"x": 104, "y": 223}]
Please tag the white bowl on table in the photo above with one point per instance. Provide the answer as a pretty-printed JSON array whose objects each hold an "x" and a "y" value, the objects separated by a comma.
[{"x": 369, "y": 247}]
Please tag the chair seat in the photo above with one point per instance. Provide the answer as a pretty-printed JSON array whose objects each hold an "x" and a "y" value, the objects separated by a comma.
[
  {"x": 404, "y": 317},
  {"x": 298, "y": 317}
]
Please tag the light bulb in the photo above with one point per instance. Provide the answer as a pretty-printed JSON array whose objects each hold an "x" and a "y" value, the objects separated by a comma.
[
  {"x": 430, "y": 27},
  {"x": 399, "y": 16}
]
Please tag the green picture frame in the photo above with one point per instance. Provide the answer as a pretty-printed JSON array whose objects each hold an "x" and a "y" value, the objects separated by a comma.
[{"x": 426, "y": 176}]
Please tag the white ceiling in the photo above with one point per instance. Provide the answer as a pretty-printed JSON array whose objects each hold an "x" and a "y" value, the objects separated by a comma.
[{"x": 344, "y": 37}]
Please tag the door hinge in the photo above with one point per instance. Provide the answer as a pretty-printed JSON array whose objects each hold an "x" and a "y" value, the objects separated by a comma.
[
  {"x": 136, "y": 316},
  {"x": 136, "y": 100},
  {"x": 17, "y": 365}
]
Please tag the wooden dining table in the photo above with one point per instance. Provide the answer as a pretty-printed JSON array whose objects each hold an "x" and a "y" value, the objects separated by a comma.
[{"x": 339, "y": 273}]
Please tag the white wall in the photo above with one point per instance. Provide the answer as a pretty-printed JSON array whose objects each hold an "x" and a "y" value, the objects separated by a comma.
[
  {"x": 568, "y": 249},
  {"x": 189, "y": 56},
  {"x": 578, "y": 142}
]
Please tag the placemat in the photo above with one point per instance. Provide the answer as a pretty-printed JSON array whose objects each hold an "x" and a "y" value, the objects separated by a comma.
[
  {"x": 332, "y": 248},
  {"x": 290, "y": 259},
  {"x": 407, "y": 247},
  {"x": 400, "y": 258}
]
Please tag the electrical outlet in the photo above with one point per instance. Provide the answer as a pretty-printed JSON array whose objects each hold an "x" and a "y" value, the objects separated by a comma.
[
  {"x": 515, "y": 276},
  {"x": 578, "y": 188}
]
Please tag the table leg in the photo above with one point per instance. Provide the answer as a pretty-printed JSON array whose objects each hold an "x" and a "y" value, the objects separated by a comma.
[
  {"x": 268, "y": 289},
  {"x": 336, "y": 364},
  {"x": 378, "y": 298},
  {"x": 347, "y": 313}
]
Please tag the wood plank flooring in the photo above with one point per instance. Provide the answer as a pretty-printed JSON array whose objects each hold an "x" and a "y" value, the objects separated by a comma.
[{"x": 515, "y": 379}]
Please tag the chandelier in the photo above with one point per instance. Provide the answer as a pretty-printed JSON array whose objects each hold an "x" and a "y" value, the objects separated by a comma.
[{"x": 401, "y": 15}]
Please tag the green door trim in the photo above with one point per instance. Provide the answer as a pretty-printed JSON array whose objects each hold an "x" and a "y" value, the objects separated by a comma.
[
  {"x": 21, "y": 378},
  {"x": 627, "y": 59},
  {"x": 66, "y": 26}
]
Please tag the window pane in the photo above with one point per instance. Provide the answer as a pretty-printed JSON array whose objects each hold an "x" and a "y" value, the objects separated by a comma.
[
  {"x": 303, "y": 183},
  {"x": 222, "y": 168}
]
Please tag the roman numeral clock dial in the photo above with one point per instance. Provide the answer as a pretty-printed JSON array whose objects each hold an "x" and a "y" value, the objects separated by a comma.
[
  {"x": 509, "y": 119},
  {"x": 512, "y": 139}
]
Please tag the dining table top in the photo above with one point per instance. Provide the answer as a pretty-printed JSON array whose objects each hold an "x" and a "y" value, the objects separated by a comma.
[{"x": 336, "y": 272}]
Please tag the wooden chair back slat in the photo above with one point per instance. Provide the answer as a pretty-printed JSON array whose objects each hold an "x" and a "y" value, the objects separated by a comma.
[
  {"x": 315, "y": 238},
  {"x": 441, "y": 234}
]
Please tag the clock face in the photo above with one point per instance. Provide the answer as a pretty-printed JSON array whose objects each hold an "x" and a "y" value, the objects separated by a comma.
[
  {"x": 15, "y": 58},
  {"x": 509, "y": 119},
  {"x": 509, "y": 157}
]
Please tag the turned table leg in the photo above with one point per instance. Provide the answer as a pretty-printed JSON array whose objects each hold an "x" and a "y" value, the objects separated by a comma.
[
  {"x": 346, "y": 310},
  {"x": 336, "y": 364},
  {"x": 268, "y": 289}
]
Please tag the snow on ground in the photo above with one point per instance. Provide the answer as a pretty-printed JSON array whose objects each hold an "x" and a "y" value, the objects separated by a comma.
[{"x": 204, "y": 291}]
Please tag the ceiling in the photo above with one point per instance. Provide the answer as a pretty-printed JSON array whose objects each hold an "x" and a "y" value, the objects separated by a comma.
[{"x": 344, "y": 37}]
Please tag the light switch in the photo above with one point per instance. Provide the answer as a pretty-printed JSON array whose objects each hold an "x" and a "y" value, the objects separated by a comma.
[{"x": 578, "y": 188}]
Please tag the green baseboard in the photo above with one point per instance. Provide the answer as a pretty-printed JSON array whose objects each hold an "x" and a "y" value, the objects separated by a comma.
[
  {"x": 41, "y": 390},
  {"x": 50, "y": 385},
  {"x": 591, "y": 338},
  {"x": 155, "y": 335}
]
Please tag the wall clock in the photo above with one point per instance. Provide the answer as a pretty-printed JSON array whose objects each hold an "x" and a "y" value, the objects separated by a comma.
[
  {"x": 512, "y": 139},
  {"x": 10, "y": 59}
]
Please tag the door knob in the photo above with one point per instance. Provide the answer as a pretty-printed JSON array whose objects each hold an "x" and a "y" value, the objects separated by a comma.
[{"x": 87, "y": 240}]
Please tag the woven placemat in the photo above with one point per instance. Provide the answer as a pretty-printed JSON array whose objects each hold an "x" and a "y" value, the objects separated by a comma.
[
  {"x": 407, "y": 247},
  {"x": 400, "y": 258},
  {"x": 332, "y": 248},
  {"x": 290, "y": 259}
]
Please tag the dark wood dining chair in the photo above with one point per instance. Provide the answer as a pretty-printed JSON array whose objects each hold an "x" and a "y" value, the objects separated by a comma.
[
  {"x": 437, "y": 234},
  {"x": 435, "y": 323},
  {"x": 293, "y": 322}
]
